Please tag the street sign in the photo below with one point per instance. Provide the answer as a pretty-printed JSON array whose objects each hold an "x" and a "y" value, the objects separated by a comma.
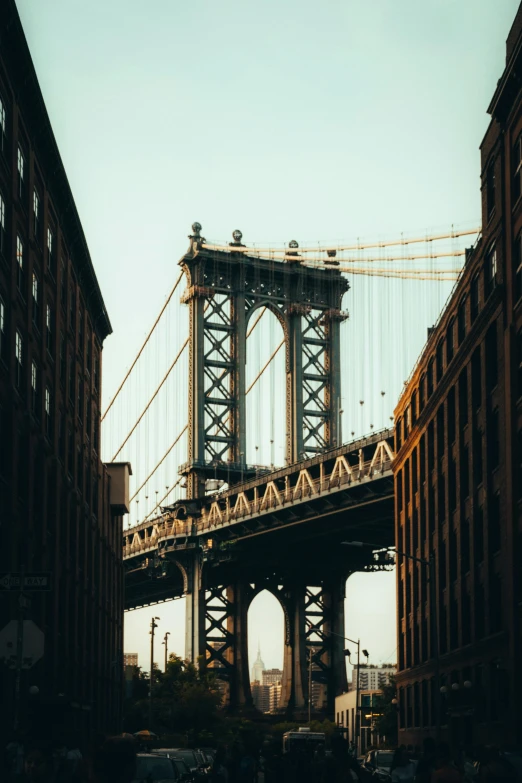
[
  {"x": 32, "y": 646},
  {"x": 35, "y": 581}
]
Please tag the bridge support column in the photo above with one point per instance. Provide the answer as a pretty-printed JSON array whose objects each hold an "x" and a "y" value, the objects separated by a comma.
[
  {"x": 240, "y": 695},
  {"x": 293, "y": 696},
  {"x": 195, "y": 611},
  {"x": 335, "y": 628}
]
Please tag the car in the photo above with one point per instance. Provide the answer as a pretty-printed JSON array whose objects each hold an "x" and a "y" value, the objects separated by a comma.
[
  {"x": 379, "y": 763},
  {"x": 153, "y": 768},
  {"x": 194, "y": 760}
]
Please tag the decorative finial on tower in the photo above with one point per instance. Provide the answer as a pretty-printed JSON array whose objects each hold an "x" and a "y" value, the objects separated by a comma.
[
  {"x": 196, "y": 230},
  {"x": 294, "y": 244},
  {"x": 237, "y": 236}
]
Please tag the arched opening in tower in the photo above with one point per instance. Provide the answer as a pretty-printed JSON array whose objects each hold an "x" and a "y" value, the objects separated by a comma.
[{"x": 266, "y": 652}]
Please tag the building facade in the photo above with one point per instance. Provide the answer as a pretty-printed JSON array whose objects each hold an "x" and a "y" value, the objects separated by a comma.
[
  {"x": 272, "y": 676},
  {"x": 58, "y": 512},
  {"x": 373, "y": 677},
  {"x": 130, "y": 659},
  {"x": 364, "y": 735},
  {"x": 458, "y": 472},
  {"x": 260, "y": 696}
]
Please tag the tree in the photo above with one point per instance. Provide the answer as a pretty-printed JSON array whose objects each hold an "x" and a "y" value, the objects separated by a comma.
[
  {"x": 184, "y": 697},
  {"x": 385, "y": 713}
]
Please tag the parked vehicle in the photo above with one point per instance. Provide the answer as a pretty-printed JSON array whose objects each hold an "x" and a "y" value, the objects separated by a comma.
[
  {"x": 379, "y": 763},
  {"x": 152, "y": 768},
  {"x": 194, "y": 760}
]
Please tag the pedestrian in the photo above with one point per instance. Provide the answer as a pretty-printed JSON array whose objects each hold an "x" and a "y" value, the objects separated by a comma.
[
  {"x": 14, "y": 757},
  {"x": 219, "y": 773},
  {"x": 445, "y": 771},
  {"x": 402, "y": 768},
  {"x": 38, "y": 766},
  {"x": 115, "y": 761},
  {"x": 426, "y": 763},
  {"x": 495, "y": 768}
]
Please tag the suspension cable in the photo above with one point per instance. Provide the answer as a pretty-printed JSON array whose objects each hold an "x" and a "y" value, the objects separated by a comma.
[
  {"x": 340, "y": 248},
  {"x": 260, "y": 373},
  {"x": 158, "y": 504},
  {"x": 185, "y": 428},
  {"x": 261, "y": 314},
  {"x": 153, "y": 396},
  {"x": 156, "y": 322}
]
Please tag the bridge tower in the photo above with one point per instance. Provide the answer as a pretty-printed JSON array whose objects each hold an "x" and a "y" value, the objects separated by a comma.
[{"x": 224, "y": 289}]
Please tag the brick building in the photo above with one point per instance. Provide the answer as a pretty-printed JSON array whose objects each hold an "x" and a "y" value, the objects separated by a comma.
[
  {"x": 458, "y": 471},
  {"x": 58, "y": 510}
]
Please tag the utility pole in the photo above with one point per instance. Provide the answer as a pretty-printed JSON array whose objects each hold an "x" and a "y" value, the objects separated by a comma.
[
  {"x": 166, "y": 643},
  {"x": 357, "y": 712},
  {"x": 153, "y": 626}
]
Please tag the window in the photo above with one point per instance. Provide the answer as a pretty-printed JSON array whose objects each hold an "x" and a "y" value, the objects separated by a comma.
[
  {"x": 22, "y": 176},
  {"x": 19, "y": 356},
  {"x": 450, "y": 347},
  {"x": 61, "y": 435},
  {"x": 517, "y": 267},
  {"x": 34, "y": 389},
  {"x": 464, "y": 472},
  {"x": 452, "y": 427},
  {"x": 494, "y": 523},
  {"x": 70, "y": 452},
  {"x": 461, "y": 320},
  {"x": 89, "y": 350},
  {"x": 36, "y": 300},
  {"x": 439, "y": 361},
  {"x": 37, "y": 226},
  {"x": 72, "y": 379},
  {"x": 430, "y": 378},
  {"x": 3, "y": 237},
  {"x": 491, "y": 357},
  {"x": 490, "y": 271},
  {"x": 81, "y": 333},
  {"x": 421, "y": 393},
  {"x": 474, "y": 298},
  {"x": 49, "y": 329},
  {"x": 48, "y": 413},
  {"x": 63, "y": 286},
  {"x": 477, "y": 455},
  {"x": 72, "y": 309},
  {"x": 88, "y": 423},
  {"x": 3, "y": 128},
  {"x": 464, "y": 547},
  {"x": 517, "y": 169},
  {"x": 490, "y": 189},
  {"x": 96, "y": 370},
  {"x": 20, "y": 258},
  {"x": 463, "y": 398},
  {"x": 80, "y": 399},
  {"x": 63, "y": 360},
  {"x": 493, "y": 440},
  {"x": 96, "y": 433},
  {"x": 51, "y": 252},
  {"x": 476, "y": 380},
  {"x": 3, "y": 330}
]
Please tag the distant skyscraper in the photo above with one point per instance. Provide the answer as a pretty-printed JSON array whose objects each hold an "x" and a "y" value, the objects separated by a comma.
[
  {"x": 130, "y": 659},
  {"x": 258, "y": 668},
  {"x": 272, "y": 676}
]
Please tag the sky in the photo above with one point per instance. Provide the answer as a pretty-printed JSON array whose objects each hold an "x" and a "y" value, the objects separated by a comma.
[{"x": 288, "y": 118}]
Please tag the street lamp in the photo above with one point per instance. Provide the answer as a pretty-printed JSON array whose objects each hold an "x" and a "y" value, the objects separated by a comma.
[
  {"x": 357, "y": 716},
  {"x": 166, "y": 643},
  {"x": 430, "y": 565},
  {"x": 153, "y": 626}
]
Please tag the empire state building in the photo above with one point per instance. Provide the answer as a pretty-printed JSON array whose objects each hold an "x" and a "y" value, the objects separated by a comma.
[{"x": 258, "y": 668}]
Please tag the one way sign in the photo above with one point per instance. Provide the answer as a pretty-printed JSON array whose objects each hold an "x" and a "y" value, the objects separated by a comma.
[{"x": 35, "y": 581}]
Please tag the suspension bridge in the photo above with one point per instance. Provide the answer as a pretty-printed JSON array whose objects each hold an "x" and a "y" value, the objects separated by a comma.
[{"x": 256, "y": 488}]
